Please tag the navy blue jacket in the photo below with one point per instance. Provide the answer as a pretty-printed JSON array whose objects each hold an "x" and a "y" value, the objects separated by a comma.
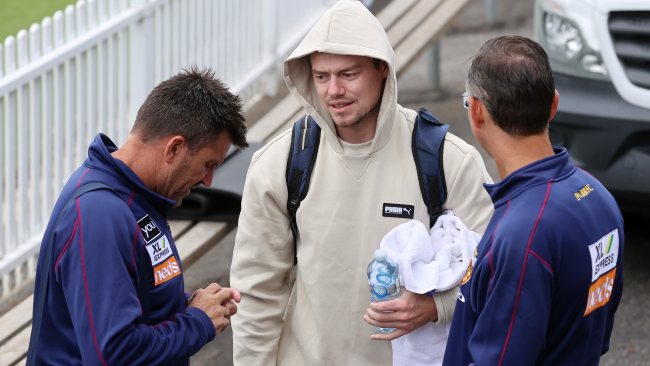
[
  {"x": 547, "y": 276},
  {"x": 115, "y": 294}
]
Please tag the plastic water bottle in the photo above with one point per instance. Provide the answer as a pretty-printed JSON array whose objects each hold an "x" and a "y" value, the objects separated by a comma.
[{"x": 383, "y": 279}]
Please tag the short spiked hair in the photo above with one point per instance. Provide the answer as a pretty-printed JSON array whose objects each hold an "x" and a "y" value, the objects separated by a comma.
[{"x": 195, "y": 105}]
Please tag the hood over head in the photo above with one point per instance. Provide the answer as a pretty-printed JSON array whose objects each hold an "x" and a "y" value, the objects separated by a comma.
[{"x": 347, "y": 28}]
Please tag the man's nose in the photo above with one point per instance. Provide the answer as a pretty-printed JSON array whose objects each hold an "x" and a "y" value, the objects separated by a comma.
[
  {"x": 207, "y": 178},
  {"x": 336, "y": 87}
]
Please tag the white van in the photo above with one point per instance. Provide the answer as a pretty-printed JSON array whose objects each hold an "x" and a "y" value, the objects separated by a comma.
[{"x": 600, "y": 53}]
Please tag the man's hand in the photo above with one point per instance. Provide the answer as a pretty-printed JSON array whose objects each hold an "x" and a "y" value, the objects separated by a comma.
[
  {"x": 218, "y": 303},
  {"x": 406, "y": 313}
]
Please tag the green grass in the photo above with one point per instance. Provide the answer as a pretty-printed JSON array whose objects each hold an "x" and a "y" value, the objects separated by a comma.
[{"x": 20, "y": 14}]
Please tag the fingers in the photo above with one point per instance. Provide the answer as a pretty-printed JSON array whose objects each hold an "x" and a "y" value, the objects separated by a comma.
[
  {"x": 402, "y": 303},
  {"x": 401, "y": 328},
  {"x": 220, "y": 324},
  {"x": 218, "y": 303},
  {"x": 218, "y": 314},
  {"x": 236, "y": 295},
  {"x": 388, "y": 320},
  {"x": 385, "y": 316},
  {"x": 406, "y": 313},
  {"x": 388, "y": 336},
  {"x": 233, "y": 297},
  {"x": 226, "y": 294},
  {"x": 232, "y": 308},
  {"x": 390, "y": 305},
  {"x": 212, "y": 288}
]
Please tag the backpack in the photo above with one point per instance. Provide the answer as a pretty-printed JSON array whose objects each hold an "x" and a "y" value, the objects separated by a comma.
[{"x": 426, "y": 144}]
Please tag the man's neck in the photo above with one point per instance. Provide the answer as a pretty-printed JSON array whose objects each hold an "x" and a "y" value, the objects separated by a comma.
[
  {"x": 360, "y": 132},
  {"x": 138, "y": 157},
  {"x": 512, "y": 153},
  {"x": 353, "y": 135}
]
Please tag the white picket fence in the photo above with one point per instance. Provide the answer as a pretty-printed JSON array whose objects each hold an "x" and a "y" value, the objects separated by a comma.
[{"x": 87, "y": 69}]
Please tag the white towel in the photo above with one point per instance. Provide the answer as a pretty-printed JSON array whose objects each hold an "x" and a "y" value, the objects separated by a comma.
[{"x": 434, "y": 260}]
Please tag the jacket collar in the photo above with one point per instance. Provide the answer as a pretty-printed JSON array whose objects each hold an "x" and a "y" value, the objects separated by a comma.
[
  {"x": 99, "y": 157},
  {"x": 552, "y": 168}
]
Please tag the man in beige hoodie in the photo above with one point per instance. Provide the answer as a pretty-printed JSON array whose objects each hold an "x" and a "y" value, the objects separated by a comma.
[{"x": 343, "y": 75}]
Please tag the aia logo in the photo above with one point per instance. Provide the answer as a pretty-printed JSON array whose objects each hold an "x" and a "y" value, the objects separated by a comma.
[{"x": 148, "y": 228}]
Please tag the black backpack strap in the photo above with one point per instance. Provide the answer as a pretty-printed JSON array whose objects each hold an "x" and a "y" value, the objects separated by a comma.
[
  {"x": 43, "y": 280},
  {"x": 305, "y": 138},
  {"x": 427, "y": 145}
]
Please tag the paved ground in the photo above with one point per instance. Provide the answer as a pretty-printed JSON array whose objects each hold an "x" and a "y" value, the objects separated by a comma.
[{"x": 630, "y": 344}]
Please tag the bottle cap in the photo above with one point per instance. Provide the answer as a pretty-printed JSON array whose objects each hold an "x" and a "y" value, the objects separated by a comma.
[{"x": 381, "y": 254}]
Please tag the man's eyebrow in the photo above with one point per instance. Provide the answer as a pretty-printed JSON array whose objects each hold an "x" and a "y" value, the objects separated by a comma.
[{"x": 345, "y": 69}]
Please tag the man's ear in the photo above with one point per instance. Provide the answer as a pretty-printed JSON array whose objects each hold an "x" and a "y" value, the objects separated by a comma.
[
  {"x": 174, "y": 148},
  {"x": 477, "y": 113},
  {"x": 384, "y": 69},
  {"x": 556, "y": 102}
]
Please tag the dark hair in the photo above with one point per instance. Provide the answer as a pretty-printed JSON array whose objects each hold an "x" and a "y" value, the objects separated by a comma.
[
  {"x": 512, "y": 77},
  {"x": 192, "y": 104}
]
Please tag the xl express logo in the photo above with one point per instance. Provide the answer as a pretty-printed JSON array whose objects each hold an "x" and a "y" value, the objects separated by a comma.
[
  {"x": 148, "y": 228},
  {"x": 159, "y": 250},
  {"x": 604, "y": 254}
]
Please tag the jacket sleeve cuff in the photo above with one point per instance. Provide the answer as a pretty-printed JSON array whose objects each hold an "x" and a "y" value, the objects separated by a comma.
[
  {"x": 204, "y": 321},
  {"x": 445, "y": 304}
]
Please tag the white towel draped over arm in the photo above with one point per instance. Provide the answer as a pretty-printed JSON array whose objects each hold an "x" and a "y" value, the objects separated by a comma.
[
  {"x": 435, "y": 260},
  {"x": 428, "y": 260}
]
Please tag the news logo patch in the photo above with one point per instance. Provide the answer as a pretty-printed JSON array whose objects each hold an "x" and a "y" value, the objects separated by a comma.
[
  {"x": 166, "y": 271},
  {"x": 600, "y": 292},
  {"x": 148, "y": 228}
]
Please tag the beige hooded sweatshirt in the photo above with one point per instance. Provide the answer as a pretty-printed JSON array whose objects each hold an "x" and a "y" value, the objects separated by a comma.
[{"x": 318, "y": 319}]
